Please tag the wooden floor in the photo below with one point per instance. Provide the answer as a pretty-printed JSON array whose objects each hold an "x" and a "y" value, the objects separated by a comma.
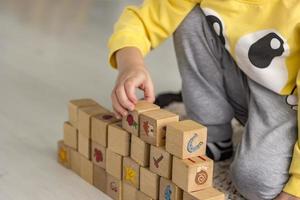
[{"x": 52, "y": 51}]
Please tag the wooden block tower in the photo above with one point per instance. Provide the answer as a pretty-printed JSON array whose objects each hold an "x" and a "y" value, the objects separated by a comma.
[{"x": 149, "y": 155}]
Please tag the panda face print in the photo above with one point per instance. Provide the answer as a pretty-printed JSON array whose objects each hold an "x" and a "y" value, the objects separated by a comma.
[
  {"x": 262, "y": 55},
  {"x": 217, "y": 24}
]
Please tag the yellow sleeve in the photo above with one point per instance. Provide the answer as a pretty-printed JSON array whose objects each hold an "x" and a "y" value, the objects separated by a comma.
[
  {"x": 293, "y": 185},
  {"x": 147, "y": 26}
]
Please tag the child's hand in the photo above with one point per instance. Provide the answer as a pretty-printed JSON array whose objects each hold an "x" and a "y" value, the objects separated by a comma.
[
  {"x": 285, "y": 196},
  {"x": 132, "y": 75}
]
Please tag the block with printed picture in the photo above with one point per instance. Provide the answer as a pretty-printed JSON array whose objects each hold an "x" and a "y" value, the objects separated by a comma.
[
  {"x": 131, "y": 121},
  {"x": 98, "y": 155},
  {"x": 169, "y": 190},
  {"x": 153, "y": 126},
  {"x": 161, "y": 162},
  {"x": 99, "y": 126},
  {"x": 193, "y": 174},
  {"x": 113, "y": 187},
  {"x": 186, "y": 139}
]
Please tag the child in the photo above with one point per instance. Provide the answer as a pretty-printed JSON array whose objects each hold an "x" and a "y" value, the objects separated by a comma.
[{"x": 237, "y": 58}]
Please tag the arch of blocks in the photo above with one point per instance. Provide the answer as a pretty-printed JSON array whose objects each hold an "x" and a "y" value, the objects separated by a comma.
[{"x": 149, "y": 154}]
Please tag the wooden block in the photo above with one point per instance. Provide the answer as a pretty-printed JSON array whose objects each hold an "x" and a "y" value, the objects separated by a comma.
[
  {"x": 70, "y": 135},
  {"x": 75, "y": 161},
  {"x": 98, "y": 155},
  {"x": 139, "y": 151},
  {"x": 118, "y": 139},
  {"x": 186, "y": 139},
  {"x": 142, "y": 196},
  {"x": 131, "y": 172},
  {"x": 84, "y": 146},
  {"x": 131, "y": 121},
  {"x": 99, "y": 179},
  {"x": 85, "y": 116},
  {"x": 63, "y": 154},
  {"x": 86, "y": 169},
  {"x": 193, "y": 174},
  {"x": 153, "y": 126},
  {"x": 114, "y": 164},
  {"x": 129, "y": 192},
  {"x": 160, "y": 162},
  {"x": 113, "y": 187},
  {"x": 206, "y": 194},
  {"x": 149, "y": 183},
  {"x": 168, "y": 190},
  {"x": 100, "y": 124},
  {"x": 74, "y": 105}
]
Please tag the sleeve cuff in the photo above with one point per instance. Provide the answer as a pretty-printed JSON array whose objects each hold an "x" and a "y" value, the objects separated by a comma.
[
  {"x": 125, "y": 39},
  {"x": 292, "y": 187}
]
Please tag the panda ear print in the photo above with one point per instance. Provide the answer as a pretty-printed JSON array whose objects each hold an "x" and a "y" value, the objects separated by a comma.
[
  {"x": 292, "y": 100},
  {"x": 216, "y": 26}
]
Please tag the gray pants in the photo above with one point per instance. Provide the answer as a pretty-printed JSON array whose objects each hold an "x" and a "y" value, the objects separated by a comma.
[{"x": 215, "y": 90}]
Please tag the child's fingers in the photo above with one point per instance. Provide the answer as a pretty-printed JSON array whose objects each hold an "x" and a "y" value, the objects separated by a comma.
[
  {"x": 119, "y": 110},
  {"x": 149, "y": 91},
  {"x": 123, "y": 99},
  {"x": 130, "y": 86},
  {"x": 117, "y": 114}
]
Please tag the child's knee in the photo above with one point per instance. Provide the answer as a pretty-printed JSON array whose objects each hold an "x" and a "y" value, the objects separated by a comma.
[{"x": 255, "y": 180}]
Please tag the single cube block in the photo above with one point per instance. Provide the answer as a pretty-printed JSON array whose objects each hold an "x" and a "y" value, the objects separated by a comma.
[
  {"x": 168, "y": 190},
  {"x": 85, "y": 116},
  {"x": 129, "y": 192},
  {"x": 98, "y": 155},
  {"x": 113, "y": 187},
  {"x": 84, "y": 146},
  {"x": 63, "y": 154},
  {"x": 153, "y": 126},
  {"x": 86, "y": 169},
  {"x": 75, "y": 105},
  {"x": 139, "y": 151},
  {"x": 142, "y": 196},
  {"x": 206, "y": 194},
  {"x": 131, "y": 121},
  {"x": 100, "y": 124},
  {"x": 186, "y": 139},
  {"x": 75, "y": 161},
  {"x": 193, "y": 174},
  {"x": 149, "y": 183},
  {"x": 99, "y": 179},
  {"x": 160, "y": 162},
  {"x": 114, "y": 164},
  {"x": 118, "y": 139},
  {"x": 70, "y": 135},
  {"x": 131, "y": 172}
]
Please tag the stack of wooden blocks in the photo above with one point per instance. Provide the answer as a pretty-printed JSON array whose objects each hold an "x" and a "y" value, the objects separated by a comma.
[{"x": 150, "y": 154}]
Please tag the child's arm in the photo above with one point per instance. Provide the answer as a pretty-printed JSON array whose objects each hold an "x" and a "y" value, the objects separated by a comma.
[
  {"x": 132, "y": 74},
  {"x": 141, "y": 28},
  {"x": 148, "y": 25}
]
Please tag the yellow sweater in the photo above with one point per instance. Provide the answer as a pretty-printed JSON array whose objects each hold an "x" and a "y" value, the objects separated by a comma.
[{"x": 246, "y": 27}]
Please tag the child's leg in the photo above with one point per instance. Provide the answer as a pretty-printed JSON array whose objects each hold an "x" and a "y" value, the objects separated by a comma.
[
  {"x": 214, "y": 89},
  {"x": 261, "y": 164}
]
